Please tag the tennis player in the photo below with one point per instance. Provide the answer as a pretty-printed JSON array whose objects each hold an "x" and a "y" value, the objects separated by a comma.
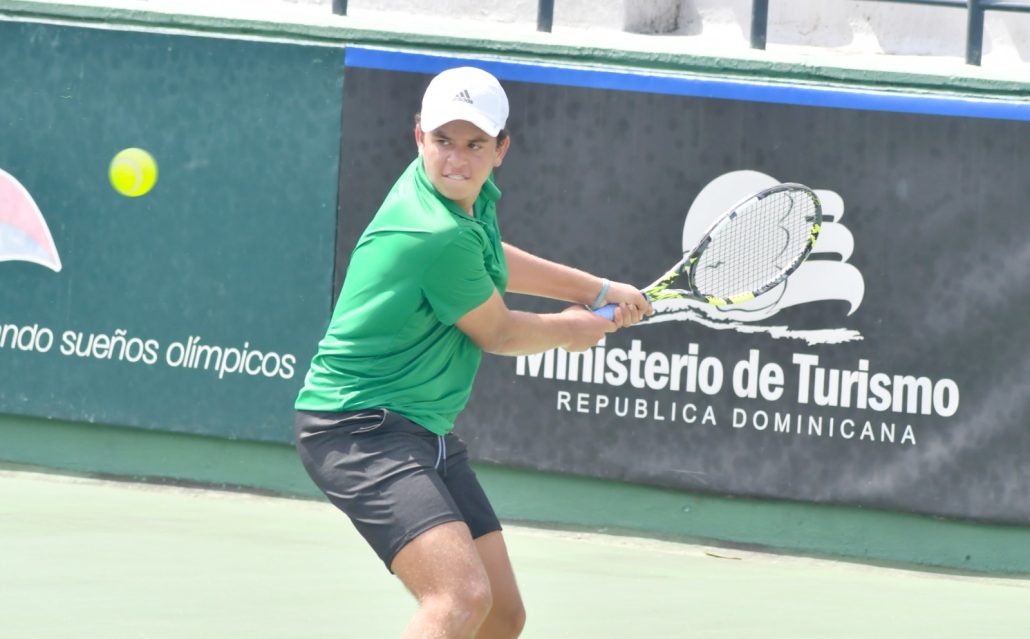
[{"x": 422, "y": 300}]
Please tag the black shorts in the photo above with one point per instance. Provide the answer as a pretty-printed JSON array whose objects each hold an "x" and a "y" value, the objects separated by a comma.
[{"x": 392, "y": 477}]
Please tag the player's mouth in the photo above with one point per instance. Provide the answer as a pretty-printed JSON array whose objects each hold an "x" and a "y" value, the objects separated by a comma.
[{"x": 455, "y": 176}]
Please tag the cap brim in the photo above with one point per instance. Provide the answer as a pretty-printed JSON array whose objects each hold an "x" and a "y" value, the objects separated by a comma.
[{"x": 461, "y": 111}]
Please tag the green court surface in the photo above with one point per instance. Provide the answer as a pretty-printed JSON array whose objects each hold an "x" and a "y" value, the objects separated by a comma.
[{"x": 83, "y": 557}]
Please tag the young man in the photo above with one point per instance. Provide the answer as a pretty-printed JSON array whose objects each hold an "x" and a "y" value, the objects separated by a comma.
[{"x": 421, "y": 301}]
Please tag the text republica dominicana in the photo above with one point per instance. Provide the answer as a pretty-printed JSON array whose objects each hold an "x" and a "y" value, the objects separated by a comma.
[{"x": 858, "y": 403}]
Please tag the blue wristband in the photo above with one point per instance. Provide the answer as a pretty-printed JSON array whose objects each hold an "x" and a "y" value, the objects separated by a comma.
[{"x": 599, "y": 302}]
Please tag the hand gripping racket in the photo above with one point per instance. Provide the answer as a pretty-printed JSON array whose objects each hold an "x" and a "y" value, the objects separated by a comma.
[{"x": 747, "y": 251}]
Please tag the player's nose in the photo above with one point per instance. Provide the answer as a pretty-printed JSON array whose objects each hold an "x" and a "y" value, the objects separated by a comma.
[{"x": 457, "y": 158}]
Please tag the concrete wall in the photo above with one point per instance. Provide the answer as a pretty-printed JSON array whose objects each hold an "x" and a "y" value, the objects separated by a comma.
[
  {"x": 862, "y": 34},
  {"x": 848, "y": 28}
]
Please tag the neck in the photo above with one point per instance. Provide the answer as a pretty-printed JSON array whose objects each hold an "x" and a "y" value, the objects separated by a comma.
[{"x": 466, "y": 206}]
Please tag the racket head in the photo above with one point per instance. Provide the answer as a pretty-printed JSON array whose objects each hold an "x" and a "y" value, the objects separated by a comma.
[{"x": 755, "y": 245}]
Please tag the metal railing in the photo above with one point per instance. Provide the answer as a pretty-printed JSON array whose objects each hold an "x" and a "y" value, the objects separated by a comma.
[
  {"x": 975, "y": 10},
  {"x": 544, "y": 15}
]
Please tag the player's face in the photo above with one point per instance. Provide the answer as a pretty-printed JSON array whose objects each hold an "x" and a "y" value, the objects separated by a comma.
[{"x": 458, "y": 158}]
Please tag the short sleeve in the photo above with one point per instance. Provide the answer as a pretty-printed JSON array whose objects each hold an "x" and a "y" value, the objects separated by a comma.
[{"x": 458, "y": 281}]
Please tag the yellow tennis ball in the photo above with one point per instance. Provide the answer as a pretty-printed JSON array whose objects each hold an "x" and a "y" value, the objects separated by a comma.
[{"x": 133, "y": 172}]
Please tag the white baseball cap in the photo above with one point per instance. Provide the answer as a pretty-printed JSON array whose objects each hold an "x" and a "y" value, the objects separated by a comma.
[{"x": 465, "y": 93}]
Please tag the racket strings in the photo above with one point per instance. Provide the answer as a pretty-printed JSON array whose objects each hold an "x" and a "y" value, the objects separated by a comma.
[{"x": 758, "y": 245}]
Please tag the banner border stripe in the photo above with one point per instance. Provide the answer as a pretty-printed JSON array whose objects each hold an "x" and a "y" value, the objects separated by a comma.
[{"x": 390, "y": 59}]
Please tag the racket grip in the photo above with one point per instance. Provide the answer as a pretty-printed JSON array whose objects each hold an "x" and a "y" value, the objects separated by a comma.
[{"x": 607, "y": 312}]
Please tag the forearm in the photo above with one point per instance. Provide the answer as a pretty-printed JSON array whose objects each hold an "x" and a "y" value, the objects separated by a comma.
[
  {"x": 497, "y": 329},
  {"x": 524, "y": 333},
  {"x": 532, "y": 275}
]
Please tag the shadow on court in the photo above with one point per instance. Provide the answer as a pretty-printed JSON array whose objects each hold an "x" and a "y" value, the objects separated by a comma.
[{"x": 91, "y": 558}]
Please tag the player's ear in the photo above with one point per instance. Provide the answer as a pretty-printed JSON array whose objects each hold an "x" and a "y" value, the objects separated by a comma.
[
  {"x": 418, "y": 137},
  {"x": 502, "y": 150}
]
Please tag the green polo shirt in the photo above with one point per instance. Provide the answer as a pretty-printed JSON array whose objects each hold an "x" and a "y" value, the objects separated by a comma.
[{"x": 421, "y": 265}]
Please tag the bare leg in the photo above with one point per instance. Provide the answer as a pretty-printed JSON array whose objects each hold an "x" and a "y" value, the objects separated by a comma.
[
  {"x": 507, "y": 615},
  {"x": 443, "y": 569}
]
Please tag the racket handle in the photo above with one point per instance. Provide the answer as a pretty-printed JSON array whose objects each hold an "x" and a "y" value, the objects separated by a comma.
[{"x": 607, "y": 312}]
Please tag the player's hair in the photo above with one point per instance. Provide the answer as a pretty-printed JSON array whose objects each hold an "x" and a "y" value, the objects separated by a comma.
[{"x": 501, "y": 135}]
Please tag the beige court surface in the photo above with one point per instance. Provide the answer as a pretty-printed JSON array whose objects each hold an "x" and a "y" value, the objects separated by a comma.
[{"x": 82, "y": 558}]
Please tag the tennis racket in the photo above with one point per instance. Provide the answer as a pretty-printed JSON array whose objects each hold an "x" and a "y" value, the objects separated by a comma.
[{"x": 747, "y": 251}]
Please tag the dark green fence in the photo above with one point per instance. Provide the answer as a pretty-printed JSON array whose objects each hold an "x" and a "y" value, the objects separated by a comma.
[{"x": 196, "y": 307}]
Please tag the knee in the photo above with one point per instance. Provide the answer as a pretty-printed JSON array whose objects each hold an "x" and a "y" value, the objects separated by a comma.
[
  {"x": 468, "y": 606},
  {"x": 515, "y": 621},
  {"x": 476, "y": 601},
  {"x": 508, "y": 618},
  {"x": 519, "y": 621}
]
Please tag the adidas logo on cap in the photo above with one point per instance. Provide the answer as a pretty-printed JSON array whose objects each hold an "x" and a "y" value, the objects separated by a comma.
[{"x": 463, "y": 97}]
